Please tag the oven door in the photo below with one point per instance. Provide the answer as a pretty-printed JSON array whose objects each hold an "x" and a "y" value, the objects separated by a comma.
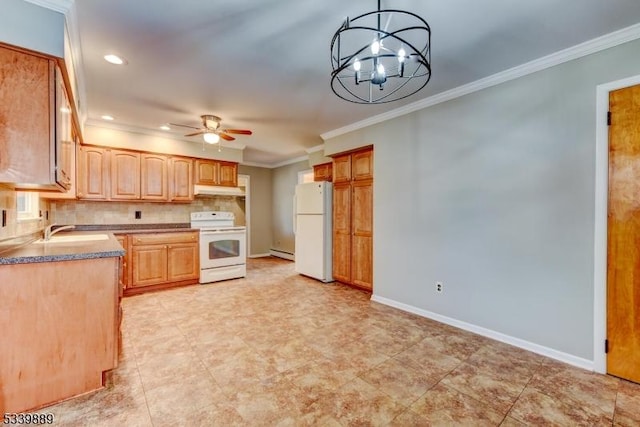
[{"x": 221, "y": 248}]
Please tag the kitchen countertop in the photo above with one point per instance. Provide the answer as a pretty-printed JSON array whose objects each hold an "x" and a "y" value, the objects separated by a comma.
[
  {"x": 63, "y": 251},
  {"x": 136, "y": 228}
]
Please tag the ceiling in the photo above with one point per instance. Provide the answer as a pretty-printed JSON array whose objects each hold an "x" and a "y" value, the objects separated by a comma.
[{"x": 264, "y": 65}]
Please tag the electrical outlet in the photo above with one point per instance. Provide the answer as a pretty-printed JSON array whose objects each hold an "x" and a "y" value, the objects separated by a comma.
[
  {"x": 439, "y": 287},
  {"x": 138, "y": 214}
]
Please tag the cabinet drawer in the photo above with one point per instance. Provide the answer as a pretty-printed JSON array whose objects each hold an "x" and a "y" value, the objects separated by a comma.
[{"x": 164, "y": 238}]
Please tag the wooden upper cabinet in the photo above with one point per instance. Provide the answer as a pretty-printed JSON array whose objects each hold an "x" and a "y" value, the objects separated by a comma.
[
  {"x": 181, "y": 179},
  {"x": 207, "y": 172},
  {"x": 342, "y": 168},
  {"x": 153, "y": 179},
  {"x": 93, "y": 173},
  {"x": 228, "y": 174},
  {"x": 323, "y": 172},
  {"x": 25, "y": 92},
  {"x": 125, "y": 175},
  {"x": 70, "y": 154},
  {"x": 362, "y": 165},
  {"x": 216, "y": 172}
]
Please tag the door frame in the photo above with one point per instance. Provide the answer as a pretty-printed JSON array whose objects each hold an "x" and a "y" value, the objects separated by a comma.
[{"x": 601, "y": 223}]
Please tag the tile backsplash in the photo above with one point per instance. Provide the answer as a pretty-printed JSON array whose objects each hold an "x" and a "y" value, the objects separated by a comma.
[
  {"x": 91, "y": 212},
  {"x": 15, "y": 228}
]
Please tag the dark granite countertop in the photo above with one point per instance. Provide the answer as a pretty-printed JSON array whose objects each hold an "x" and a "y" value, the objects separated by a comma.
[
  {"x": 37, "y": 251},
  {"x": 136, "y": 228}
]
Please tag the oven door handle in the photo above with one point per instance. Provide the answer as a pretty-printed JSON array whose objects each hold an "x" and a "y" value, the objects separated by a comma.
[{"x": 227, "y": 231}]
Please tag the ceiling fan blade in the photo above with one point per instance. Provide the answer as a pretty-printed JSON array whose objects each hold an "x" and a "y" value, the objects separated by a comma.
[
  {"x": 226, "y": 137},
  {"x": 200, "y": 132},
  {"x": 238, "y": 131},
  {"x": 184, "y": 126}
]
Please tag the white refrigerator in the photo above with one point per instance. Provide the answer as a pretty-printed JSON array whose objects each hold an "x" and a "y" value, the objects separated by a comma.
[{"x": 312, "y": 225}]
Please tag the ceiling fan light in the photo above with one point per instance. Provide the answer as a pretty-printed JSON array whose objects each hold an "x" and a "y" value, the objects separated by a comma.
[{"x": 211, "y": 138}]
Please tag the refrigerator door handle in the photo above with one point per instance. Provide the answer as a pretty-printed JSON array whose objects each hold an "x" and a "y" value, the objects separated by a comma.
[{"x": 294, "y": 214}]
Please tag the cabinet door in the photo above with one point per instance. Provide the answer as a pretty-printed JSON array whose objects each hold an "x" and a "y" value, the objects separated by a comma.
[
  {"x": 93, "y": 173},
  {"x": 228, "y": 174},
  {"x": 362, "y": 234},
  {"x": 181, "y": 179},
  {"x": 125, "y": 175},
  {"x": 207, "y": 172},
  {"x": 323, "y": 172},
  {"x": 70, "y": 150},
  {"x": 342, "y": 232},
  {"x": 149, "y": 265},
  {"x": 362, "y": 165},
  {"x": 183, "y": 262},
  {"x": 64, "y": 137},
  {"x": 342, "y": 168},
  {"x": 25, "y": 118},
  {"x": 154, "y": 174},
  {"x": 124, "y": 273}
]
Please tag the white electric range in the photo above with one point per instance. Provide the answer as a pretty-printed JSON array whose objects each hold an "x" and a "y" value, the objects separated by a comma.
[{"x": 223, "y": 253}]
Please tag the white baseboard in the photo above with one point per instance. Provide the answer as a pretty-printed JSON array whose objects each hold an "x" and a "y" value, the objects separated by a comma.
[
  {"x": 517, "y": 342},
  {"x": 281, "y": 254},
  {"x": 258, "y": 255}
]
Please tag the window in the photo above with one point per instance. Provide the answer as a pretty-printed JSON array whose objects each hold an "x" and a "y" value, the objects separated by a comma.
[
  {"x": 305, "y": 176},
  {"x": 27, "y": 204}
]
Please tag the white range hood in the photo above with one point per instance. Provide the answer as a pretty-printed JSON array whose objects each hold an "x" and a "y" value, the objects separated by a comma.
[{"x": 211, "y": 190}]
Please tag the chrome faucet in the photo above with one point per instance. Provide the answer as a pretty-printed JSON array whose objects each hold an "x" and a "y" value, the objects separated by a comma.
[{"x": 48, "y": 232}]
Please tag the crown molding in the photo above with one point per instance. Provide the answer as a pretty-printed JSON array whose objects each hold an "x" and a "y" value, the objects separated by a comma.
[
  {"x": 314, "y": 149},
  {"x": 578, "y": 51},
  {"x": 61, "y": 6}
]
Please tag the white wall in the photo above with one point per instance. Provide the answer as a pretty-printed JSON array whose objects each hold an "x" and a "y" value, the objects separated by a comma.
[
  {"x": 285, "y": 179},
  {"x": 493, "y": 194},
  {"x": 261, "y": 208},
  {"x": 32, "y": 27}
]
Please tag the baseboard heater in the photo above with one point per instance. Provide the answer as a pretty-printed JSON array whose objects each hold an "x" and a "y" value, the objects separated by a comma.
[{"x": 282, "y": 254}]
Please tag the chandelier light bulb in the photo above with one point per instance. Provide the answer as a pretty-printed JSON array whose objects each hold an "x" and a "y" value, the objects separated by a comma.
[
  {"x": 401, "y": 55},
  {"x": 356, "y": 65},
  {"x": 211, "y": 138},
  {"x": 380, "y": 69},
  {"x": 375, "y": 47}
]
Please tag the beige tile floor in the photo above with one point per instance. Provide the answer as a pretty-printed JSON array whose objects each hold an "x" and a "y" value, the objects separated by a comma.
[{"x": 278, "y": 349}]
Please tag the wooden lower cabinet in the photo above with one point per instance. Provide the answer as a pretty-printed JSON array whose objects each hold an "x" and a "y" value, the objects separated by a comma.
[
  {"x": 60, "y": 330},
  {"x": 182, "y": 262},
  {"x": 342, "y": 232},
  {"x": 149, "y": 265},
  {"x": 161, "y": 260},
  {"x": 362, "y": 234},
  {"x": 123, "y": 239}
]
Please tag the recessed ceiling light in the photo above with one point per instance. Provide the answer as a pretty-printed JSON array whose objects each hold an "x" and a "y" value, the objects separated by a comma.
[
  {"x": 107, "y": 117},
  {"x": 114, "y": 59},
  {"x": 165, "y": 127}
]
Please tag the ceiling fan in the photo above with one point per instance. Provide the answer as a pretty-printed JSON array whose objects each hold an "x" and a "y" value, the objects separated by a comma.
[{"x": 211, "y": 131}]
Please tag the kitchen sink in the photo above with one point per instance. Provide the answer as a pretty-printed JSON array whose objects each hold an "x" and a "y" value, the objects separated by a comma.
[{"x": 74, "y": 238}]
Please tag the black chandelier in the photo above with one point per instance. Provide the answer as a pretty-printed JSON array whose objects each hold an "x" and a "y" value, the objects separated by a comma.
[{"x": 375, "y": 64}]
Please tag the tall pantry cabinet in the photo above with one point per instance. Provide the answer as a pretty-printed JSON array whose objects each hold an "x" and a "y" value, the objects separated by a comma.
[{"x": 353, "y": 218}]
